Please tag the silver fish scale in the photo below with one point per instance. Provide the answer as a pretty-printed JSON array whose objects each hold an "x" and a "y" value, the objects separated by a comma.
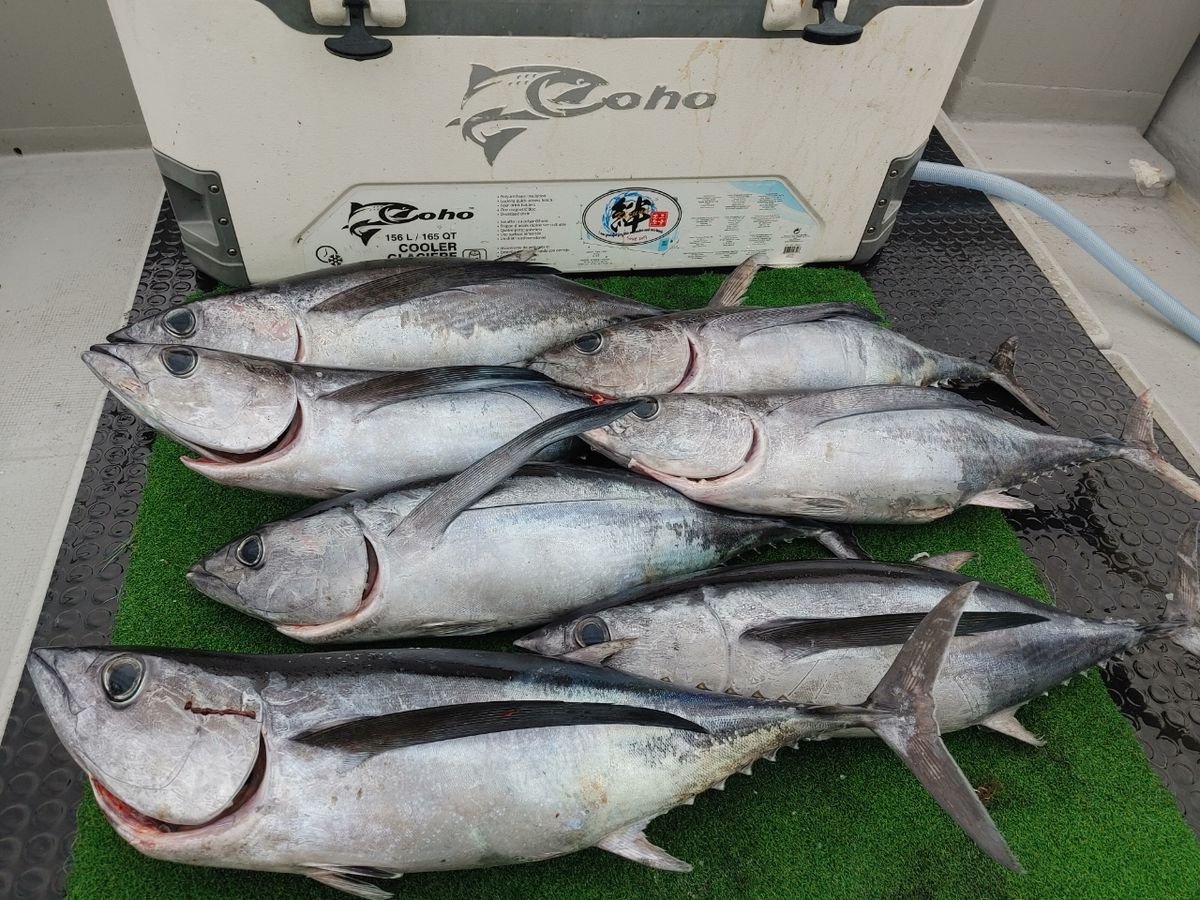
[{"x": 953, "y": 277}]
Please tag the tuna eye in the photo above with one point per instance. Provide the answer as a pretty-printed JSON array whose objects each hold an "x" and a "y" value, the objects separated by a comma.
[
  {"x": 250, "y": 551},
  {"x": 591, "y": 631},
  {"x": 122, "y": 678},
  {"x": 589, "y": 343},
  {"x": 648, "y": 409},
  {"x": 180, "y": 321},
  {"x": 179, "y": 361}
]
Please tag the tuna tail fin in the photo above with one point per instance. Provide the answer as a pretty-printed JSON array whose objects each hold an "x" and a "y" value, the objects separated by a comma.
[
  {"x": 1002, "y": 373},
  {"x": 1137, "y": 445},
  {"x": 901, "y": 712},
  {"x": 1183, "y": 593}
]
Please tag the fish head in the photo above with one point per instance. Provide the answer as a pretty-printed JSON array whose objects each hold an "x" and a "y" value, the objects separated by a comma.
[
  {"x": 220, "y": 404},
  {"x": 676, "y": 637},
  {"x": 563, "y": 92},
  {"x": 653, "y": 356},
  {"x": 258, "y": 323},
  {"x": 304, "y": 571},
  {"x": 591, "y": 637},
  {"x": 172, "y": 748},
  {"x": 689, "y": 437}
]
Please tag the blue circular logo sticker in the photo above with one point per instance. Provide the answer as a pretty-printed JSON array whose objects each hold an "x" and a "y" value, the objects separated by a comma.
[{"x": 632, "y": 216}]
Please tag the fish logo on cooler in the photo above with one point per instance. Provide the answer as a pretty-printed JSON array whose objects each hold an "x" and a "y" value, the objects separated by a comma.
[
  {"x": 500, "y": 105},
  {"x": 368, "y": 219}
]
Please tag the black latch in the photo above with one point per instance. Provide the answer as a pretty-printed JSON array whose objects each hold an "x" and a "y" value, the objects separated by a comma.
[
  {"x": 831, "y": 29},
  {"x": 358, "y": 43}
]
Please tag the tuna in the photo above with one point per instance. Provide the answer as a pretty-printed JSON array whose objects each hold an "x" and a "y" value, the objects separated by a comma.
[
  {"x": 716, "y": 350},
  {"x": 533, "y": 547},
  {"x": 360, "y": 765},
  {"x": 876, "y": 454},
  {"x": 314, "y": 432},
  {"x": 396, "y": 315},
  {"x": 824, "y": 631}
]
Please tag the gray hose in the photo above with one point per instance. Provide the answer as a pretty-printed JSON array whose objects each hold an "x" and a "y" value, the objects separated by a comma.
[{"x": 1129, "y": 275}]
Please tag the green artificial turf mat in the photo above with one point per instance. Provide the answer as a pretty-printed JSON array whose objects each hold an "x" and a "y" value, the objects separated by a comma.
[{"x": 1085, "y": 815}]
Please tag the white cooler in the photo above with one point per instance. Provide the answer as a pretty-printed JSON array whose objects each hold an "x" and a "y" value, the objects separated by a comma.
[{"x": 297, "y": 134}]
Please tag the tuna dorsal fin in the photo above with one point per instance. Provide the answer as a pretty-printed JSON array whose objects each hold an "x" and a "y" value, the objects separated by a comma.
[
  {"x": 1005, "y": 722},
  {"x": 733, "y": 289},
  {"x": 433, "y": 515},
  {"x": 397, "y": 387},
  {"x": 817, "y": 635},
  {"x": 864, "y": 401},
  {"x": 411, "y": 283},
  {"x": 759, "y": 318},
  {"x": 372, "y": 735},
  {"x": 633, "y": 844}
]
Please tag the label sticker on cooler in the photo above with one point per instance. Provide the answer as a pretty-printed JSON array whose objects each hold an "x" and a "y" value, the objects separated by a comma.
[{"x": 575, "y": 225}]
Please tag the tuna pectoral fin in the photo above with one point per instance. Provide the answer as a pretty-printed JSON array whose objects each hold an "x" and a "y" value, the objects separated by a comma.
[
  {"x": 371, "y": 735},
  {"x": 433, "y": 515},
  {"x": 1003, "y": 375},
  {"x": 901, "y": 712},
  {"x": 946, "y": 562},
  {"x": 817, "y": 635},
  {"x": 596, "y": 654},
  {"x": 1183, "y": 592},
  {"x": 394, "y": 288},
  {"x": 1137, "y": 445},
  {"x": 350, "y": 884},
  {"x": 1000, "y": 500},
  {"x": 633, "y": 844},
  {"x": 733, "y": 289},
  {"x": 1005, "y": 722},
  {"x": 399, "y": 387}
]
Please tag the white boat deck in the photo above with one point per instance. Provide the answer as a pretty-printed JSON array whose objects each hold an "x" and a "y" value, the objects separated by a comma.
[{"x": 74, "y": 228}]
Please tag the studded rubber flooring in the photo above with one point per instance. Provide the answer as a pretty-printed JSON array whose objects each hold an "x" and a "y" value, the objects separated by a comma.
[{"x": 953, "y": 276}]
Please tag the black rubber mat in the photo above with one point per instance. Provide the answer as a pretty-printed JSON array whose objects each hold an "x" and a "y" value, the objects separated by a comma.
[
  {"x": 39, "y": 784},
  {"x": 953, "y": 276}
]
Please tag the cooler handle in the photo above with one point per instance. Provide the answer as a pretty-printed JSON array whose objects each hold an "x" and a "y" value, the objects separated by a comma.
[
  {"x": 831, "y": 29},
  {"x": 357, "y": 43}
]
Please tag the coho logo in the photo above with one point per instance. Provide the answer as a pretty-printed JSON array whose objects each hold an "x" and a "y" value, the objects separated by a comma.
[
  {"x": 368, "y": 219},
  {"x": 501, "y": 104}
]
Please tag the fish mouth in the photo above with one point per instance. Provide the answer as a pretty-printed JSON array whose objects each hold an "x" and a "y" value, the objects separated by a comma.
[
  {"x": 130, "y": 821},
  {"x": 114, "y": 373},
  {"x": 213, "y": 586},
  {"x": 120, "y": 336},
  {"x": 321, "y": 631},
  {"x": 211, "y": 458}
]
